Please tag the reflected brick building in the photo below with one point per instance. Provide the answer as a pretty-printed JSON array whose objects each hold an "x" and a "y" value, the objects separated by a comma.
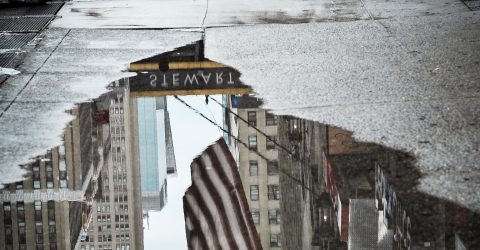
[{"x": 376, "y": 203}]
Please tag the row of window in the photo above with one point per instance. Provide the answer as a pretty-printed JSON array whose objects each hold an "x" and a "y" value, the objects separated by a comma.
[
  {"x": 48, "y": 175},
  {"x": 273, "y": 216},
  {"x": 37, "y": 247},
  {"x": 107, "y": 218},
  {"x": 52, "y": 236},
  {"x": 270, "y": 142},
  {"x": 273, "y": 192},
  {"x": 275, "y": 240},
  {"x": 272, "y": 168},
  {"x": 118, "y": 198},
  {"x": 270, "y": 119},
  {"x": 106, "y": 208},
  {"x": 116, "y": 110},
  {"x": 105, "y": 247}
]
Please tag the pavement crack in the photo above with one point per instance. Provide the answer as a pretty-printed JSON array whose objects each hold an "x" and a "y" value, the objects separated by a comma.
[{"x": 204, "y": 17}]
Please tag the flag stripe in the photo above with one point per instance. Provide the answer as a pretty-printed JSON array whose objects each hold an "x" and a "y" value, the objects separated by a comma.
[
  {"x": 203, "y": 226},
  {"x": 197, "y": 237},
  {"x": 224, "y": 154},
  {"x": 235, "y": 217},
  {"x": 206, "y": 192},
  {"x": 216, "y": 189},
  {"x": 216, "y": 209}
]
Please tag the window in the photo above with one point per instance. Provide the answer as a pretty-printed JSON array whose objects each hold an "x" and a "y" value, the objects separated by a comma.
[
  {"x": 275, "y": 240},
  {"x": 256, "y": 216},
  {"x": 38, "y": 228},
  {"x": 273, "y": 216},
  {"x": 51, "y": 213},
  {"x": 8, "y": 234},
  {"x": 19, "y": 185},
  {"x": 273, "y": 192},
  {"x": 61, "y": 165},
  {"x": 22, "y": 238},
  {"x": 48, "y": 166},
  {"x": 270, "y": 119},
  {"x": 253, "y": 168},
  {"x": 20, "y": 213},
  {"x": 36, "y": 176},
  {"x": 270, "y": 141},
  {"x": 7, "y": 206},
  {"x": 254, "y": 192},
  {"x": 61, "y": 149},
  {"x": 272, "y": 167},
  {"x": 252, "y": 118},
  {"x": 63, "y": 184},
  {"x": 7, "y": 213},
  {"x": 38, "y": 215},
  {"x": 52, "y": 238},
  {"x": 38, "y": 205},
  {"x": 252, "y": 142}
]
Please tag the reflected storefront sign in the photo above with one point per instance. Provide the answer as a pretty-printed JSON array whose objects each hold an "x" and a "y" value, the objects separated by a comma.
[
  {"x": 184, "y": 71},
  {"x": 188, "y": 82}
]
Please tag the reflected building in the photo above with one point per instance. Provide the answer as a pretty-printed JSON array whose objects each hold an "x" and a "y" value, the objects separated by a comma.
[
  {"x": 52, "y": 206},
  {"x": 156, "y": 154},
  {"x": 286, "y": 193},
  {"x": 260, "y": 178},
  {"x": 307, "y": 221},
  {"x": 376, "y": 204},
  {"x": 117, "y": 213},
  {"x": 335, "y": 192}
]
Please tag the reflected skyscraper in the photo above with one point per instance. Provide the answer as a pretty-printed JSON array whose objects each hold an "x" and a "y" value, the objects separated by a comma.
[
  {"x": 117, "y": 212},
  {"x": 155, "y": 150}
]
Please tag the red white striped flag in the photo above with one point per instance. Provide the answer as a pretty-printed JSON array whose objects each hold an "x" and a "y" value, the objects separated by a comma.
[{"x": 216, "y": 211}]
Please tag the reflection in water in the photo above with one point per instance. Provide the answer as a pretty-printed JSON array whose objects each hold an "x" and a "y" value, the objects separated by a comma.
[
  {"x": 332, "y": 192},
  {"x": 308, "y": 185}
]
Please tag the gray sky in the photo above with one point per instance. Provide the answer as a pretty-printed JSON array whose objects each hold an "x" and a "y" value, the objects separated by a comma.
[{"x": 191, "y": 135}]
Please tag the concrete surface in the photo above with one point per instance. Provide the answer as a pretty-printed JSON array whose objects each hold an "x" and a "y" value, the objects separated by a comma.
[{"x": 408, "y": 82}]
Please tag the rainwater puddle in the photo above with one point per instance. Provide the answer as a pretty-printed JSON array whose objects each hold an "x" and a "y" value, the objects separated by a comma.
[{"x": 296, "y": 183}]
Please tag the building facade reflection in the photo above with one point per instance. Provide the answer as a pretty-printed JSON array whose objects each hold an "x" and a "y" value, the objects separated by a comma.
[
  {"x": 338, "y": 193},
  {"x": 117, "y": 213},
  {"x": 51, "y": 207},
  {"x": 82, "y": 194}
]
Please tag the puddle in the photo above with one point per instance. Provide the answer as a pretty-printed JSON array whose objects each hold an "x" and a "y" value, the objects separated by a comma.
[{"x": 307, "y": 185}]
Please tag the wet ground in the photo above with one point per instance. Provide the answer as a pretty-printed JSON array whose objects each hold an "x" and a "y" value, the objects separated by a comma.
[{"x": 401, "y": 75}]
